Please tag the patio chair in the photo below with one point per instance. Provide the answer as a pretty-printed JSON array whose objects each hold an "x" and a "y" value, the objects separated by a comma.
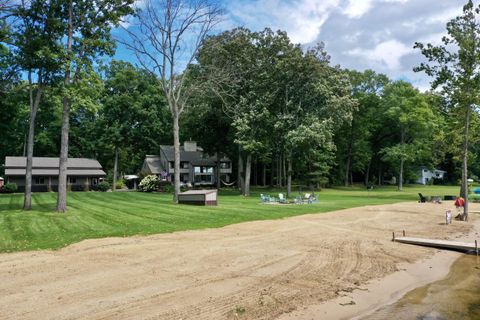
[
  {"x": 422, "y": 198},
  {"x": 265, "y": 198},
  {"x": 298, "y": 199},
  {"x": 281, "y": 198}
]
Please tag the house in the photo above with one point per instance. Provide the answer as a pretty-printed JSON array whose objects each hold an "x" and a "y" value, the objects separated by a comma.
[
  {"x": 83, "y": 174},
  {"x": 426, "y": 175},
  {"x": 196, "y": 167}
]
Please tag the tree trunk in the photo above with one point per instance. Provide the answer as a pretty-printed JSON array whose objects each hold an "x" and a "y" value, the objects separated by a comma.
[
  {"x": 402, "y": 161},
  {"x": 289, "y": 179},
  {"x": 240, "y": 179},
  {"x": 367, "y": 174},
  {"x": 115, "y": 169},
  {"x": 62, "y": 172},
  {"x": 264, "y": 175},
  {"x": 248, "y": 169},
  {"x": 464, "y": 188},
  {"x": 34, "y": 103},
  {"x": 176, "y": 147},
  {"x": 272, "y": 173},
  {"x": 400, "y": 176},
  {"x": 218, "y": 172},
  {"x": 255, "y": 173},
  {"x": 63, "y": 165},
  {"x": 279, "y": 171},
  {"x": 284, "y": 170}
]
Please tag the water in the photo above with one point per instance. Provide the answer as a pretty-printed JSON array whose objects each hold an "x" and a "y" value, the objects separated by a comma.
[{"x": 455, "y": 297}]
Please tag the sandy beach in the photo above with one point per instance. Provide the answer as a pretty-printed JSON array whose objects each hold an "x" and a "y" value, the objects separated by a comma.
[{"x": 334, "y": 265}]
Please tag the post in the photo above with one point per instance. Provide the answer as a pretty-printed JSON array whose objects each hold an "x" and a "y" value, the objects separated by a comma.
[
  {"x": 476, "y": 248},
  {"x": 393, "y": 234},
  {"x": 404, "y": 233}
]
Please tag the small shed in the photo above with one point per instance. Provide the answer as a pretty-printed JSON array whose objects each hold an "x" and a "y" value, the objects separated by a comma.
[{"x": 199, "y": 197}]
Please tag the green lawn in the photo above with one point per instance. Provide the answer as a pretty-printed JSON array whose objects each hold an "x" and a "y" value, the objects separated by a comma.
[{"x": 97, "y": 215}]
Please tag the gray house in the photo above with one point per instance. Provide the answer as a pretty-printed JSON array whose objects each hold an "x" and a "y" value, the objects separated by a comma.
[
  {"x": 196, "y": 167},
  {"x": 83, "y": 174}
]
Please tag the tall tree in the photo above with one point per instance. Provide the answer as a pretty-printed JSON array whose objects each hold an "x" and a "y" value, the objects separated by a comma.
[
  {"x": 87, "y": 25},
  {"x": 35, "y": 37},
  {"x": 414, "y": 121},
  {"x": 455, "y": 67},
  {"x": 165, "y": 41}
]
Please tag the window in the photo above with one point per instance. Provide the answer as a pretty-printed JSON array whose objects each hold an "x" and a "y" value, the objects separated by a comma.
[
  {"x": 39, "y": 180},
  {"x": 204, "y": 178},
  {"x": 225, "y": 165},
  {"x": 203, "y": 170},
  {"x": 184, "y": 165},
  {"x": 172, "y": 165},
  {"x": 184, "y": 177},
  {"x": 72, "y": 180},
  {"x": 94, "y": 181}
]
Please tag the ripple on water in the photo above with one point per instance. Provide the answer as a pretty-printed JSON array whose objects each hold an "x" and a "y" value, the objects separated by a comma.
[{"x": 455, "y": 297}]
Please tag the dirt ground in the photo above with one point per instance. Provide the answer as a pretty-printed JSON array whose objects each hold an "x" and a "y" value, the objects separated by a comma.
[{"x": 254, "y": 270}]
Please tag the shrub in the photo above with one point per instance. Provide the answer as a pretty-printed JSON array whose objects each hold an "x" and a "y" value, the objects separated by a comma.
[
  {"x": 103, "y": 186},
  {"x": 120, "y": 184},
  {"x": 10, "y": 187},
  {"x": 148, "y": 184}
]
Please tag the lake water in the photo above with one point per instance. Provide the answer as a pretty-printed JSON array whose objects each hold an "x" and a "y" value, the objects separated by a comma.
[{"x": 455, "y": 297}]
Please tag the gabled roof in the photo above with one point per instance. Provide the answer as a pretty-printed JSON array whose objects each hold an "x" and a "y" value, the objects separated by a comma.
[
  {"x": 153, "y": 164},
  {"x": 16, "y": 166},
  {"x": 195, "y": 157}
]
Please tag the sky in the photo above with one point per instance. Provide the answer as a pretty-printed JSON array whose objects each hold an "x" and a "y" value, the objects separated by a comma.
[{"x": 358, "y": 34}]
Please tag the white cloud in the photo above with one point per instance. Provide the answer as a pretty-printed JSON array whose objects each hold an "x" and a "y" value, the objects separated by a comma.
[
  {"x": 302, "y": 19},
  {"x": 386, "y": 54},
  {"x": 357, "y": 8}
]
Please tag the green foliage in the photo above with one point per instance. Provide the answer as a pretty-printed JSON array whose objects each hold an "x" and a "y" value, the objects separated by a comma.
[
  {"x": 149, "y": 183},
  {"x": 103, "y": 186},
  {"x": 120, "y": 184},
  {"x": 10, "y": 188}
]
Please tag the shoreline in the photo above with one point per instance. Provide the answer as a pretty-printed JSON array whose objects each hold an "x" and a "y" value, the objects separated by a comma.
[{"x": 381, "y": 292}]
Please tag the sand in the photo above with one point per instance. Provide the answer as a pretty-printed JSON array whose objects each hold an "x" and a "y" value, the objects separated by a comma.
[{"x": 319, "y": 266}]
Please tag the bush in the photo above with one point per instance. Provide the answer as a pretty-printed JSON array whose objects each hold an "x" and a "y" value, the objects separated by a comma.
[
  {"x": 120, "y": 184},
  {"x": 103, "y": 186},
  {"x": 10, "y": 188},
  {"x": 148, "y": 184}
]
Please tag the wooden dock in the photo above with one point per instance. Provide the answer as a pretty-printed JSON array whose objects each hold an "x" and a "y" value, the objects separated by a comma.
[{"x": 442, "y": 244}]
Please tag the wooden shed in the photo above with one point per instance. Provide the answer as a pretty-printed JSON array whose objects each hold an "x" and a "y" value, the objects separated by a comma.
[{"x": 199, "y": 197}]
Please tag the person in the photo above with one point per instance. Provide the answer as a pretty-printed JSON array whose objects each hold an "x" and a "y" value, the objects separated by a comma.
[
  {"x": 448, "y": 217},
  {"x": 459, "y": 204}
]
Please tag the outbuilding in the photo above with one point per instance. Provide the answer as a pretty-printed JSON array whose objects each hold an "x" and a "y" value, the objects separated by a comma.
[
  {"x": 199, "y": 197},
  {"x": 83, "y": 174}
]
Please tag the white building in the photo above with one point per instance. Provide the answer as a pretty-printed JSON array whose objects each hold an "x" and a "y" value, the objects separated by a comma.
[{"x": 426, "y": 175}]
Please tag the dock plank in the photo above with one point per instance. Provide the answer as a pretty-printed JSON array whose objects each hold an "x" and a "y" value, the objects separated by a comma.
[{"x": 445, "y": 244}]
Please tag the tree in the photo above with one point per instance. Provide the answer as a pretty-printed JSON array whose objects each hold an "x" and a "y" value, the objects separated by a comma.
[
  {"x": 37, "y": 51},
  {"x": 355, "y": 139},
  {"x": 133, "y": 116},
  {"x": 87, "y": 25},
  {"x": 412, "y": 117},
  {"x": 165, "y": 40},
  {"x": 455, "y": 67}
]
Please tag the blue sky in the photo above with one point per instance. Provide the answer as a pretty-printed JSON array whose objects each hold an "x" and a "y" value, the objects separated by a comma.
[{"x": 358, "y": 34}]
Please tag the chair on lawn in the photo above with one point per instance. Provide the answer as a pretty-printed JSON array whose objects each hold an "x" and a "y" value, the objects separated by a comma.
[
  {"x": 265, "y": 198},
  {"x": 298, "y": 199},
  {"x": 422, "y": 198},
  {"x": 281, "y": 198}
]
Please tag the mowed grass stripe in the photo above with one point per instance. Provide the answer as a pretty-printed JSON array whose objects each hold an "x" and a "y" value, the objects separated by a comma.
[{"x": 95, "y": 214}]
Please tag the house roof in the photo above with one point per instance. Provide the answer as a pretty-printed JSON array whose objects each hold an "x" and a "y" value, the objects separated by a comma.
[
  {"x": 198, "y": 157},
  {"x": 16, "y": 166},
  {"x": 154, "y": 164}
]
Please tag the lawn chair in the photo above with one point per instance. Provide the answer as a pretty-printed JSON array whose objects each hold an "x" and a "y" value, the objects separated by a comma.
[
  {"x": 281, "y": 198},
  {"x": 265, "y": 198},
  {"x": 422, "y": 198},
  {"x": 298, "y": 199},
  {"x": 313, "y": 198}
]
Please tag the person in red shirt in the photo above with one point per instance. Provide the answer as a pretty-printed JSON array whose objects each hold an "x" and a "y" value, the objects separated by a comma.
[{"x": 459, "y": 204}]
